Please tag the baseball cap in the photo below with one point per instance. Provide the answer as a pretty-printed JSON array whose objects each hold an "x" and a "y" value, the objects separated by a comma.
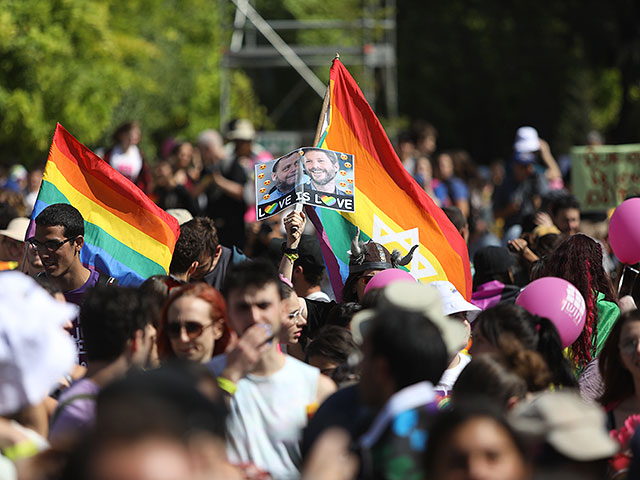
[
  {"x": 414, "y": 297},
  {"x": 527, "y": 140},
  {"x": 491, "y": 260},
  {"x": 574, "y": 428},
  {"x": 17, "y": 229},
  {"x": 309, "y": 252}
]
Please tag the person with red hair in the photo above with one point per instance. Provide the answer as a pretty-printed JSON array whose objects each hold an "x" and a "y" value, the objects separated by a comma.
[
  {"x": 579, "y": 261},
  {"x": 194, "y": 324}
]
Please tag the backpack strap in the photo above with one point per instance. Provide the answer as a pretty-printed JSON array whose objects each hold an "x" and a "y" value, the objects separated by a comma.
[
  {"x": 69, "y": 401},
  {"x": 106, "y": 280}
]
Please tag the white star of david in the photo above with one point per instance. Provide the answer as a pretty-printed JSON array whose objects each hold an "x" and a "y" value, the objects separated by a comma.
[{"x": 419, "y": 267}]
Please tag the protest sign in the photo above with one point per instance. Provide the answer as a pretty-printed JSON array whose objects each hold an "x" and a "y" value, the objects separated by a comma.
[
  {"x": 603, "y": 176},
  {"x": 308, "y": 175}
]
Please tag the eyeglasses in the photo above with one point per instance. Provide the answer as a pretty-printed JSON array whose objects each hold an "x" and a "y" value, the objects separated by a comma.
[
  {"x": 193, "y": 329},
  {"x": 293, "y": 315},
  {"x": 629, "y": 346},
  {"x": 49, "y": 246}
]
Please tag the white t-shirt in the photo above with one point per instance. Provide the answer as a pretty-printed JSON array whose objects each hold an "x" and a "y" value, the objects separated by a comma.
[
  {"x": 267, "y": 416},
  {"x": 450, "y": 375},
  {"x": 320, "y": 296},
  {"x": 128, "y": 163}
]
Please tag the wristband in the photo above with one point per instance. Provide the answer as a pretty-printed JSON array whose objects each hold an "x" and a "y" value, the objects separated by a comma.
[
  {"x": 227, "y": 385},
  {"x": 292, "y": 256},
  {"x": 287, "y": 250}
]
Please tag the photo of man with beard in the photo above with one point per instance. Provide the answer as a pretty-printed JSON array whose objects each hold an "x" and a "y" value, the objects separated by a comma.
[
  {"x": 322, "y": 166},
  {"x": 284, "y": 176}
]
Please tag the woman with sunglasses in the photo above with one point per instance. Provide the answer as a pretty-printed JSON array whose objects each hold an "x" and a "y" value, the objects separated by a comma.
[{"x": 194, "y": 324}]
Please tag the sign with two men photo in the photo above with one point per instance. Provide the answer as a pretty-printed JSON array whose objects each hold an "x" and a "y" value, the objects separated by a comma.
[{"x": 308, "y": 175}]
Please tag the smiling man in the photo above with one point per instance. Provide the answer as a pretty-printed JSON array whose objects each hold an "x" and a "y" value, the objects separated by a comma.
[
  {"x": 321, "y": 166},
  {"x": 58, "y": 239}
]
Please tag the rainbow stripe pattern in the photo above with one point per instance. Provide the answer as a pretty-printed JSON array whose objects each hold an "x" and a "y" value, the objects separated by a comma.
[
  {"x": 391, "y": 208},
  {"x": 127, "y": 236}
]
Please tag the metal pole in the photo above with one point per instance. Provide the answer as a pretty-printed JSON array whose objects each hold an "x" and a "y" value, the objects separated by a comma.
[{"x": 283, "y": 49}]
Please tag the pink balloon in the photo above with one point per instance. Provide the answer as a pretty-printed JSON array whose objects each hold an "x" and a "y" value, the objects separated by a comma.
[
  {"x": 560, "y": 302},
  {"x": 624, "y": 231},
  {"x": 386, "y": 277}
]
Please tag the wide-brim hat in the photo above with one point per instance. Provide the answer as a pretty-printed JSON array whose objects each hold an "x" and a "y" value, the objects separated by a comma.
[
  {"x": 574, "y": 428},
  {"x": 17, "y": 229},
  {"x": 413, "y": 297},
  {"x": 35, "y": 350},
  {"x": 242, "y": 130}
]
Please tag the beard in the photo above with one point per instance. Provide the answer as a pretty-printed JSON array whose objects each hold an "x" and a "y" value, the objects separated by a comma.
[{"x": 324, "y": 178}]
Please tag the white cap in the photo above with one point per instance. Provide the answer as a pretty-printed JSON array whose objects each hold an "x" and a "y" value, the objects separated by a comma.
[
  {"x": 452, "y": 299},
  {"x": 35, "y": 350},
  {"x": 527, "y": 140}
]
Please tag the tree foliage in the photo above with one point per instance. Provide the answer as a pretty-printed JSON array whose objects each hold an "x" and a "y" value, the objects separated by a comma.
[{"x": 92, "y": 64}]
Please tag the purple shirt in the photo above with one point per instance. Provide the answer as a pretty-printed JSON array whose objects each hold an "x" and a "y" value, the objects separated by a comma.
[
  {"x": 76, "y": 410},
  {"x": 77, "y": 296}
]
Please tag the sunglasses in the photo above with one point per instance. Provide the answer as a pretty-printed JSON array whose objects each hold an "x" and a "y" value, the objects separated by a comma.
[
  {"x": 50, "y": 245},
  {"x": 193, "y": 329}
]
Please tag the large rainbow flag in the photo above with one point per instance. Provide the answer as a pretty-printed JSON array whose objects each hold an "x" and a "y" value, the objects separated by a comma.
[
  {"x": 126, "y": 236},
  {"x": 391, "y": 208}
]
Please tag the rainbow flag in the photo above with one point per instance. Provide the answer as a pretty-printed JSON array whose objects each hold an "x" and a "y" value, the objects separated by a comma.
[
  {"x": 126, "y": 236},
  {"x": 391, "y": 208}
]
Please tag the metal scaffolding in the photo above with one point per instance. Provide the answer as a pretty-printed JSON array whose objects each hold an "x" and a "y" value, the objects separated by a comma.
[{"x": 256, "y": 43}]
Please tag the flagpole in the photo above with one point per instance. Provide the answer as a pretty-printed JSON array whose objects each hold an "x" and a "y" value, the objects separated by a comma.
[
  {"x": 323, "y": 112},
  {"x": 316, "y": 139}
]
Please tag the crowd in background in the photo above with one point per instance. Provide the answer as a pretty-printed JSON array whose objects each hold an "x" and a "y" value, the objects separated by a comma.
[{"x": 241, "y": 364}]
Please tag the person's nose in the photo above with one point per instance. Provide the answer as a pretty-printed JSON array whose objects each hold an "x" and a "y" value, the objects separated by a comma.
[{"x": 184, "y": 338}]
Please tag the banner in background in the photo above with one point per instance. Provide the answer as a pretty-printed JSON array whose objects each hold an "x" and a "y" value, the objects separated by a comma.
[{"x": 603, "y": 176}]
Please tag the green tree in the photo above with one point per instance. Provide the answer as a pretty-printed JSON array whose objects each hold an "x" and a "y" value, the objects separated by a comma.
[{"x": 92, "y": 64}]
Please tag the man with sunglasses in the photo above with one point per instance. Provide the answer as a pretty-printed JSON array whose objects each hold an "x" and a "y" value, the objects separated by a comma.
[{"x": 58, "y": 239}]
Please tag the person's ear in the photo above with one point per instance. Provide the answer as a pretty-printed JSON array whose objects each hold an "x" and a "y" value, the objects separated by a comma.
[
  {"x": 136, "y": 340},
  {"x": 512, "y": 402},
  {"x": 218, "y": 329},
  {"x": 216, "y": 256},
  {"x": 192, "y": 268},
  {"x": 78, "y": 243}
]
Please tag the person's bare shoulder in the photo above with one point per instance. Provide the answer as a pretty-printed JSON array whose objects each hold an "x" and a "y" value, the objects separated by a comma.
[{"x": 326, "y": 387}]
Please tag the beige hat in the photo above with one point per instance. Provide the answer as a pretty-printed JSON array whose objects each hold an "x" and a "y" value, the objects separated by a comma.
[
  {"x": 181, "y": 214},
  {"x": 242, "y": 130},
  {"x": 576, "y": 429},
  {"x": 17, "y": 229},
  {"x": 414, "y": 297}
]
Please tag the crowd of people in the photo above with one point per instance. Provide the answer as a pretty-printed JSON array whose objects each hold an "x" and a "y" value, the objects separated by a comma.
[{"x": 240, "y": 363}]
